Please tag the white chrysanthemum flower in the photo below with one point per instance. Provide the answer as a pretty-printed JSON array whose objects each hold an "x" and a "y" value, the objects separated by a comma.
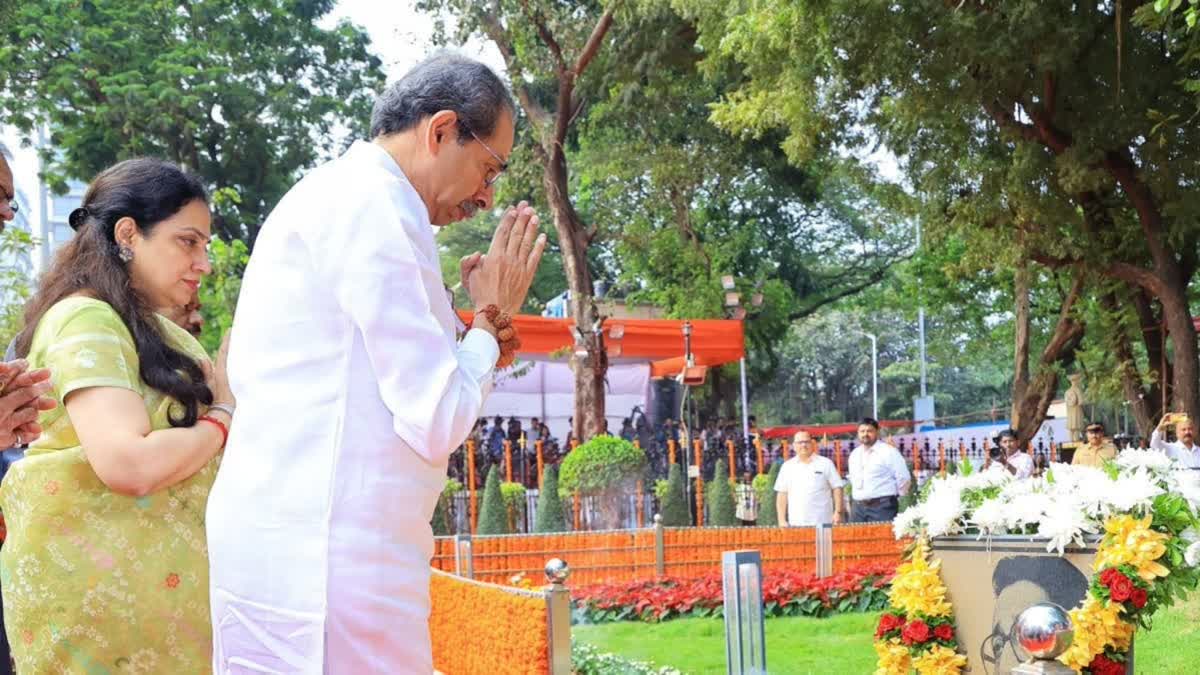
[
  {"x": 1135, "y": 490},
  {"x": 1093, "y": 491},
  {"x": 943, "y": 510},
  {"x": 1016, "y": 489},
  {"x": 1064, "y": 523},
  {"x": 1186, "y": 483},
  {"x": 986, "y": 479},
  {"x": 1151, "y": 460},
  {"x": 909, "y": 522},
  {"x": 1027, "y": 510},
  {"x": 991, "y": 517},
  {"x": 1191, "y": 556}
]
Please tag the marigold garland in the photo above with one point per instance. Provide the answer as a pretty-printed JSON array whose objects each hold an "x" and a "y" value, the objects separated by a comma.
[
  {"x": 917, "y": 629},
  {"x": 484, "y": 629}
]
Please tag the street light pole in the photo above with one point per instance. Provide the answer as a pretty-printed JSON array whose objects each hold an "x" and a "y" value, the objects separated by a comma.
[{"x": 874, "y": 372}]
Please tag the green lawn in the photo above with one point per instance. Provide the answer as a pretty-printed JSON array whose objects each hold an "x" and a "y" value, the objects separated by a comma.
[
  {"x": 697, "y": 646},
  {"x": 842, "y": 644}
]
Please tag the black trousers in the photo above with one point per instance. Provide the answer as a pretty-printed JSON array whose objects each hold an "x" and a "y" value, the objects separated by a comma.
[{"x": 881, "y": 510}]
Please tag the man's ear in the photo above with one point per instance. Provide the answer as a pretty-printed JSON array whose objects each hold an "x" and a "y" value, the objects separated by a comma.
[{"x": 442, "y": 127}]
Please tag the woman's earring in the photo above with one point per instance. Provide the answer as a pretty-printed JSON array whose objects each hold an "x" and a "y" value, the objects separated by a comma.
[{"x": 125, "y": 253}]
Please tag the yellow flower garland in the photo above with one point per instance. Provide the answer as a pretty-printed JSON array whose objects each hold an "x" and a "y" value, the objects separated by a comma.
[
  {"x": 918, "y": 585},
  {"x": 1133, "y": 543},
  {"x": 939, "y": 661},
  {"x": 893, "y": 657},
  {"x": 918, "y": 591},
  {"x": 1101, "y": 623}
]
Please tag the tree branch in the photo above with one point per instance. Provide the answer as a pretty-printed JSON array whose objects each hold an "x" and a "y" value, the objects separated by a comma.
[
  {"x": 547, "y": 37},
  {"x": 1049, "y": 92},
  {"x": 1123, "y": 170},
  {"x": 1138, "y": 276},
  {"x": 1006, "y": 120},
  {"x": 873, "y": 278},
  {"x": 593, "y": 42},
  {"x": 495, "y": 32}
]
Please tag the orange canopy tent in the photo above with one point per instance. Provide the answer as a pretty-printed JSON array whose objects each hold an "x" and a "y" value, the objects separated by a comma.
[{"x": 658, "y": 341}]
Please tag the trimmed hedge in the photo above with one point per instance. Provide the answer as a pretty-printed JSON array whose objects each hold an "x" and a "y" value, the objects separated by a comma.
[
  {"x": 493, "y": 516},
  {"x": 551, "y": 517},
  {"x": 601, "y": 465},
  {"x": 721, "y": 510},
  {"x": 674, "y": 507}
]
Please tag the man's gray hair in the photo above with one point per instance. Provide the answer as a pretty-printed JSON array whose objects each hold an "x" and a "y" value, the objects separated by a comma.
[{"x": 445, "y": 81}]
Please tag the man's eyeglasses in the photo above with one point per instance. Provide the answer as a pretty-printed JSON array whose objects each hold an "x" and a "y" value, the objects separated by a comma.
[{"x": 492, "y": 175}]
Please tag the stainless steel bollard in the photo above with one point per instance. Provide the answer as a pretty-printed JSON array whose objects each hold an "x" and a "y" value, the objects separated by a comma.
[
  {"x": 745, "y": 635},
  {"x": 558, "y": 607},
  {"x": 464, "y": 563}
]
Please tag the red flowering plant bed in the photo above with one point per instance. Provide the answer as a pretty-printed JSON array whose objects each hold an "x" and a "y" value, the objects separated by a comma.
[{"x": 859, "y": 589}]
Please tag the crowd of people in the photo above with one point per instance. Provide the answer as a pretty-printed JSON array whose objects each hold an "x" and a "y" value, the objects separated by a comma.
[{"x": 522, "y": 435}]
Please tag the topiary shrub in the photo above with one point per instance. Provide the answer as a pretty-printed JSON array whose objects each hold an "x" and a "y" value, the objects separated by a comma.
[
  {"x": 721, "y": 510},
  {"x": 673, "y": 505},
  {"x": 443, "y": 522},
  {"x": 514, "y": 505},
  {"x": 493, "y": 517},
  {"x": 767, "y": 515},
  {"x": 660, "y": 489},
  {"x": 762, "y": 487},
  {"x": 606, "y": 467},
  {"x": 550, "y": 514}
]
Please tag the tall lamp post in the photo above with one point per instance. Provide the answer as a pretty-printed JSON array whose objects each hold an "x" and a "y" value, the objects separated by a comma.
[
  {"x": 874, "y": 372},
  {"x": 735, "y": 310}
]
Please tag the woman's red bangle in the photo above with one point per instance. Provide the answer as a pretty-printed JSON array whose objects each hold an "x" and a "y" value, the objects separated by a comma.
[{"x": 220, "y": 425}]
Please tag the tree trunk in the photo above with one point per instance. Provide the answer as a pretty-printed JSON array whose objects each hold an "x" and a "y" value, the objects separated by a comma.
[
  {"x": 1168, "y": 281},
  {"x": 1021, "y": 352},
  {"x": 1154, "y": 340},
  {"x": 1186, "y": 380},
  {"x": 1058, "y": 355},
  {"x": 589, "y": 371},
  {"x": 573, "y": 236},
  {"x": 1144, "y": 406}
]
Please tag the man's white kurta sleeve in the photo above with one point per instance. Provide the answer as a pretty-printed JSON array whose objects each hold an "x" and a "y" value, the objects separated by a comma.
[
  {"x": 1157, "y": 442},
  {"x": 433, "y": 389}
]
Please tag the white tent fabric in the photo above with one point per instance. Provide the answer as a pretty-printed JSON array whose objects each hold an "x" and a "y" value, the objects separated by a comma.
[{"x": 546, "y": 390}]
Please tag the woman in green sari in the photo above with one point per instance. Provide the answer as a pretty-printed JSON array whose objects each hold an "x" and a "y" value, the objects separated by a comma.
[{"x": 105, "y": 569}]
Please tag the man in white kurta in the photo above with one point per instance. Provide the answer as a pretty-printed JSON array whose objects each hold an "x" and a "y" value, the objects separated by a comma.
[{"x": 352, "y": 390}]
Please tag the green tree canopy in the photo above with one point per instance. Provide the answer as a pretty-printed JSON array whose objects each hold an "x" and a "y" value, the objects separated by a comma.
[
  {"x": 246, "y": 93},
  {"x": 1031, "y": 131}
]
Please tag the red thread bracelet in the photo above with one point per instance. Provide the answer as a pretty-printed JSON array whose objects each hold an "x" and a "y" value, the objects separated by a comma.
[{"x": 220, "y": 425}]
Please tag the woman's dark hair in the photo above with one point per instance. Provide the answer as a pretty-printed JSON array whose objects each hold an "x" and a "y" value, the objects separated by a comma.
[{"x": 149, "y": 191}]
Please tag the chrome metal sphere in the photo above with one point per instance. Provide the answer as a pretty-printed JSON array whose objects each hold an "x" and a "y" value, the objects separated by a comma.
[
  {"x": 557, "y": 571},
  {"x": 1044, "y": 630}
]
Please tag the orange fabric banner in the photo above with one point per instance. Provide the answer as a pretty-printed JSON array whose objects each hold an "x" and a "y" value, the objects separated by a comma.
[{"x": 660, "y": 341}]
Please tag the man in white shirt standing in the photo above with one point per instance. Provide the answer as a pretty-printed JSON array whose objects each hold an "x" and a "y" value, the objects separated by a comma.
[
  {"x": 878, "y": 477},
  {"x": 352, "y": 389},
  {"x": 1011, "y": 458},
  {"x": 808, "y": 490},
  {"x": 1183, "y": 450}
]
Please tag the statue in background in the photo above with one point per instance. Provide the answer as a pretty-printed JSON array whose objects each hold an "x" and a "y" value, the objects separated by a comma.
[{"x": 1074, "y": 401}]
